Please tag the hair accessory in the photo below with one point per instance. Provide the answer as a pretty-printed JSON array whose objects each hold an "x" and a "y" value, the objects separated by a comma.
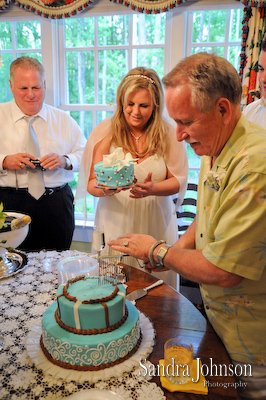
[{"x": 141, "y": 76}]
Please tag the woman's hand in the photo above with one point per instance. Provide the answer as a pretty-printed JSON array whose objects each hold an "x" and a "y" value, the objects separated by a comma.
[
  {"x": 107, "y": 191},
  {"x": 143, "y": 189}
]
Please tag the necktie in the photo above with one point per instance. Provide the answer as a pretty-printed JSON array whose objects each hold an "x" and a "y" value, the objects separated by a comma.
[{"x": 35, "y": 176}]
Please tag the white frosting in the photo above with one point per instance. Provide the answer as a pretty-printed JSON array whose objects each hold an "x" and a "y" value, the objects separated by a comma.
[
  {"x": 124, "y": 305},
  {"x": 76, "y": 313},
  {"x": 117, "y": 158}
]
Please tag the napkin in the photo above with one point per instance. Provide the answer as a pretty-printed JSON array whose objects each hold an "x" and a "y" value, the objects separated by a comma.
[{"x": 199, "y": 387}]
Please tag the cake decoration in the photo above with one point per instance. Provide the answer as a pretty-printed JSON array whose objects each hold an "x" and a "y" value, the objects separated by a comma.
[
  {"x": 91, "y": 325},
  {"x": 116, "y": 169}
]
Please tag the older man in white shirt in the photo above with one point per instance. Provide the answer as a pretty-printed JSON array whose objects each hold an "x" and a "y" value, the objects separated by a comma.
[{"x": 60, "y": 144}]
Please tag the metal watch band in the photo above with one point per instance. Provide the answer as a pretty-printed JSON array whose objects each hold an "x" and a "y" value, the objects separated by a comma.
[
  {"x": 162, "y": 253},
  {"x": 151, "y": 253}
]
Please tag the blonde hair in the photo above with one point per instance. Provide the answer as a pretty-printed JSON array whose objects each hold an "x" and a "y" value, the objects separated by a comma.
[
  {"x": 156, "y": 129},
  {"x": 26, "y": 63}
]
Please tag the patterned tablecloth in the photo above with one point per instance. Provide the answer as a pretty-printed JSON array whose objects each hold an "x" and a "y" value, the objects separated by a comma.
[{"x": 23, "y": 300}]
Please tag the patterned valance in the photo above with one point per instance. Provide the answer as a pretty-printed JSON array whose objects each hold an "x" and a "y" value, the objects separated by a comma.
[
  {"x": 56, "y": 9},
  {"x": 150, "y": 6},
  {"x": 253, "y": 3}
]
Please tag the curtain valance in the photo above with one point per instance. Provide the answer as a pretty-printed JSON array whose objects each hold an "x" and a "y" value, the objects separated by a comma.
[
  {"x": 253, "y": 3},
  {"x": 57, "y": 9}
]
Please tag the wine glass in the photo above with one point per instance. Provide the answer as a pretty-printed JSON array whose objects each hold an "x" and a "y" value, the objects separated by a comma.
[{"x": 98, "y": 241}]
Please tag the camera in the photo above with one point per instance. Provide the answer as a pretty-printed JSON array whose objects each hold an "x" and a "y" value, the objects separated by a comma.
[{"x": 37, "y": 164}]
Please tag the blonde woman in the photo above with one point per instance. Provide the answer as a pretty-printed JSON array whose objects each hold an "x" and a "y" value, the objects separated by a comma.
[{"x": 160, "y": 164}]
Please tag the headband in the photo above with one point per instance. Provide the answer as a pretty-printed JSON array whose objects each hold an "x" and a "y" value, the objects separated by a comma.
[{"x": 140, "y": 76}]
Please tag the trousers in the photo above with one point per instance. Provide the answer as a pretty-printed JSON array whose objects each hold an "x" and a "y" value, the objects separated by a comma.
[{"x": 52, "y": 216}]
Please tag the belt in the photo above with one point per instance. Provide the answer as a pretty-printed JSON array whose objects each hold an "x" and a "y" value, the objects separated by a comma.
[{"x": 48, "y": 191}]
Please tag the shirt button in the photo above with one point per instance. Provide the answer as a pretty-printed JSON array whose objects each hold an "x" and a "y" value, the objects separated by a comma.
[
  {"x": 201, "y": 235},
  {"x": 207, "y": 307}
]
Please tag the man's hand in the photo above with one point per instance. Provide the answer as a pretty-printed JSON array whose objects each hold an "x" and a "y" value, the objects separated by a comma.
[
  {"x": 18, "y": 161},
  {"x": 52, "y": 161},
  {"x": 134, "y": 244}
]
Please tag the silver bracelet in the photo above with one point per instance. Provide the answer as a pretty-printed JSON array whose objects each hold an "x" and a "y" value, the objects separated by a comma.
[{"x": 151, "y": 253}]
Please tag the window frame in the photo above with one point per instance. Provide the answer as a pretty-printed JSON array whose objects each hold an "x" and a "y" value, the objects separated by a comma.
[{"x": 176, "y": 27}]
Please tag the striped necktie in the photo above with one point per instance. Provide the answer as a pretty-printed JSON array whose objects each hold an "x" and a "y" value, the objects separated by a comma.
[{"x": 35, "y": 176}]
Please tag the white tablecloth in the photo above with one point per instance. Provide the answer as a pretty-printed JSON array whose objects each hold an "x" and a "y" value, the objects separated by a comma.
[{"x": 23, "y": 300}]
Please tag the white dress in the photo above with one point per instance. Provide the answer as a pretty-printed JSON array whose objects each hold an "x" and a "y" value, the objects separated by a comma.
[{"x": 152, "y": 215}]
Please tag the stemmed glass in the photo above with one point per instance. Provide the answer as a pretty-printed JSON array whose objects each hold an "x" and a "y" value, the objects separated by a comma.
[{"x": 98, "y": 241}]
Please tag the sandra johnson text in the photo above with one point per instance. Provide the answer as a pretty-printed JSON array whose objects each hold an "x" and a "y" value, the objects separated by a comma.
[{"x": 204, "y": 369}]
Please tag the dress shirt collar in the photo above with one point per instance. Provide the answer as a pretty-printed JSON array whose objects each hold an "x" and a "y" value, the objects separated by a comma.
[{"x": 17, "y": 114}]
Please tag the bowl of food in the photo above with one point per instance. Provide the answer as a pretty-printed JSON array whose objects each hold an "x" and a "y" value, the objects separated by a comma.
[{"x": 14, "y": 230}]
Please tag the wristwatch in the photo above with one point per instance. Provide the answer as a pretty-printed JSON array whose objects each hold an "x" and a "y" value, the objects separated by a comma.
[
  {"x": 68, "y": 163},
  {"x": 162, "y": 253}
]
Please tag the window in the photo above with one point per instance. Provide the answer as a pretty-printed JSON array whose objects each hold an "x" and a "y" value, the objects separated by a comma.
[
  {"x": 86, "y": 57},
  {"x": 17, "y": 39},
  {"x": 94, "y": 53},
  {"x": 217, "y": 31}
]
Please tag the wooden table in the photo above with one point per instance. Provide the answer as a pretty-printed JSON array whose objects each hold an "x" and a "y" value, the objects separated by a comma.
[
  {"x": 172, "y": 315},
  {"x": 25, "y": 297}
]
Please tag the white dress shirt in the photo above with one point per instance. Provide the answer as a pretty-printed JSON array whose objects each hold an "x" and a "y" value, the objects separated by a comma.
[
  {"x": 256, "y": 112},
  {"x": 56, "y": 131}
]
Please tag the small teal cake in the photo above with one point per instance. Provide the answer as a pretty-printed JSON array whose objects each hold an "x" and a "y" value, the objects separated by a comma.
[
  {"x": 113, "y": 176},
  {"x": 91, "y": 326}
]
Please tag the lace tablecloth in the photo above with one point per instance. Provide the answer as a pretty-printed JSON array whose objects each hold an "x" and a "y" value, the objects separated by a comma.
[{"x": 23, "y": 300}]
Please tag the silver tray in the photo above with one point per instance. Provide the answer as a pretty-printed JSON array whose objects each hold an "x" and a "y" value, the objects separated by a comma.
[{"x": 14, "y": 262}]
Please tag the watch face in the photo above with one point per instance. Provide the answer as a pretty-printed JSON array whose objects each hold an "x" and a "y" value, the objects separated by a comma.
[{"x": 161, "y": 253}]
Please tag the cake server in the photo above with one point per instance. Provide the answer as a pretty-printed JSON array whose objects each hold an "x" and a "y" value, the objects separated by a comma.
[{"x": 137, "y": 294}]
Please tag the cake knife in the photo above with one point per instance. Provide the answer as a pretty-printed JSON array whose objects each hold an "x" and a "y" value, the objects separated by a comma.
[{"x": 137, "y": 294}]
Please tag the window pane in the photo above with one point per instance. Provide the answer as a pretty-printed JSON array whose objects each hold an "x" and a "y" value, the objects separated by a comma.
[
  {"x": 148, "y": 29},
  {"x": 235, "y": 32},
  {"x": 233, "y": 56},
  {"x": 219, "y": 51},
  {"x": 113, "y": 30},
  {"x": 101, "y": 115},
  {"x": 113, "y": 66},
  {"x": 193, "y": 159},
  {"x": 80, "y": 77},
  {"x": 30, "y": 54},
  {"x": 5, "y": 36},
  {"x": 84, "y": 119},
  {"x": 79, "y": 32},
  {"x": 151, "y": 58},
  {"x": 28, "y": 35},
  {"x": 209, "y": 26},
  {"x": 5, "y": 92},
  {"x": 193, "y": 176}
]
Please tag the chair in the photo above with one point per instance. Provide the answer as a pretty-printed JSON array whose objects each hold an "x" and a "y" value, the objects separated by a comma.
[
  {"x": 185, "y": 216},
  {"x": 187, "y": 210}
]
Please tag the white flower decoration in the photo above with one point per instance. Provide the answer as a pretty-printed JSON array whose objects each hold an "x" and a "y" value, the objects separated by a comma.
[
  {"x": 117, "y": 158},
  {"x": 213, "y": 180}
]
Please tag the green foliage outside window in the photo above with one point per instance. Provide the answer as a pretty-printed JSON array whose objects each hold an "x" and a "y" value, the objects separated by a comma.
[
  {"x": 113, "y": 30},
  {"x": 79, "y": 32}
]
